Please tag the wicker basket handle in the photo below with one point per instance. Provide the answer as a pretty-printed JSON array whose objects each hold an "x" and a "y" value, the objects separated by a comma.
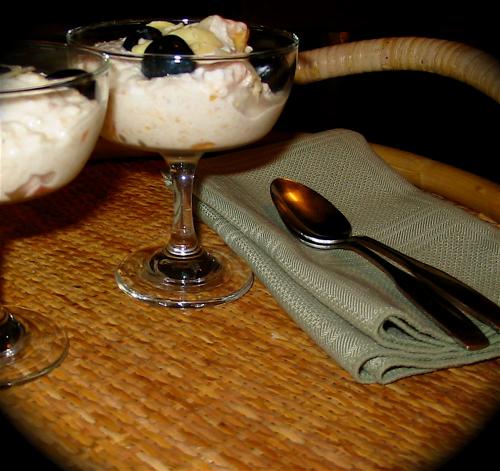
[{"x": 442, "y": 57}]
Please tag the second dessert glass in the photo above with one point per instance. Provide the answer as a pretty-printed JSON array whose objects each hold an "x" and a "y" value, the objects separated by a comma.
[
  {"x": 52, "y": 105},
  {"x": 182, "y": 104}
]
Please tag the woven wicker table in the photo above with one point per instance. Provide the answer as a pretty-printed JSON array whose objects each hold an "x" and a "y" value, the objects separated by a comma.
[{"x": 237, "y": 386}]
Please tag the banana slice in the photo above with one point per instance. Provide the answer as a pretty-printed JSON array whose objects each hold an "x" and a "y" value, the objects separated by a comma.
[
  {"x": 141, "y": 46},
  {"x": 200, "y": 40},
  {"x": 163, "y": 26}
]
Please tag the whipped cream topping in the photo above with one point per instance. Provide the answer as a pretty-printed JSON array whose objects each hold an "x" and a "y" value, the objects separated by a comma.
[{"x": 47, "y": 135}]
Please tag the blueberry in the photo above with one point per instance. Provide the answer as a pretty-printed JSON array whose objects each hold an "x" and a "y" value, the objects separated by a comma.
[
  {"x": 272, "y": 68},
  {"x": 144, "y": 32},
  {"x": 159, "y": 66},
  {"x": 85, "y": 86},
  {"x": 65, "y": 73}
]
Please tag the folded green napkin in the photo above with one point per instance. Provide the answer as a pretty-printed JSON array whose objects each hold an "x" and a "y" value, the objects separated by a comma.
[{"x": 349, "y": 307}]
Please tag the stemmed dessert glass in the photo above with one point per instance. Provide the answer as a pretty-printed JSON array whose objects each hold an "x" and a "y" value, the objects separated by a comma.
[
  {"x": 182, "y": 102},
  {"x": 52, "y": 105}
]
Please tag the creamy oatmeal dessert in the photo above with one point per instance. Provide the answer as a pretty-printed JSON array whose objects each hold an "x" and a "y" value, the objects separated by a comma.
[
  {"x": 47, "y": 133},
  {"x": 213, "y": 101}
]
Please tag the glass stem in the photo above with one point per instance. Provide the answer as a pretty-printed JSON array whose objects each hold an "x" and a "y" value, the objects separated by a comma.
[{"x": 183, "y": 239}]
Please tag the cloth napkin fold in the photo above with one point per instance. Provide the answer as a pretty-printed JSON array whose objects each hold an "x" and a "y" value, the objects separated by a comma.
[{"x": 349, "y": 307}]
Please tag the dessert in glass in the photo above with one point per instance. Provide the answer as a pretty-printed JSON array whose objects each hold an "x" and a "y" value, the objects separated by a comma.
[
  {"x": 183, "y": 88},
  {"x": 52, "y": 105}
]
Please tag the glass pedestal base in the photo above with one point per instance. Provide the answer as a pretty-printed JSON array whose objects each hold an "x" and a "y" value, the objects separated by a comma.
[
  {"x": 32, "y": 345},
  {"x": 207, "y": 278}
]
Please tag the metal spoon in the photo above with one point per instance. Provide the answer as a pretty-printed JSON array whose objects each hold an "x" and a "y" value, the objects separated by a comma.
[{"x": 319, "y": 224}]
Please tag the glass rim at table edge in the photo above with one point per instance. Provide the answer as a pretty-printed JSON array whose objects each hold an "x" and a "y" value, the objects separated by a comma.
[
  {"x": 293, "y": 46},
  {"x": 62, "y": 82}
]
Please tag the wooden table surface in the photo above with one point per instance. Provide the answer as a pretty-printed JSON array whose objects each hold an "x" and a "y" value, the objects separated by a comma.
[{"x": 233, "y": 387}]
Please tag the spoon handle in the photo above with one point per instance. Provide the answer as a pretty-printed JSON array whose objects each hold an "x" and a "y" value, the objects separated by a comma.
[
  {"x": 444, "y": 313},
  {"x": 463, "y": 296}
]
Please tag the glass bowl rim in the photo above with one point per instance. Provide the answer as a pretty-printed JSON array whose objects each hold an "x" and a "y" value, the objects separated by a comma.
[
  {"x": 293, "y": 46},
  {"x": 62, "y": 82}
]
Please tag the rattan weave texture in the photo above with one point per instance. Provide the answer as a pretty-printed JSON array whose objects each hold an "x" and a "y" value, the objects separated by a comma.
[{"x": 236, "y": 387}]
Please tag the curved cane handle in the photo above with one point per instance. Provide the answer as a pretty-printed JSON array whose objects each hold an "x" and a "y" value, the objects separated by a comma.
[{"x": 448, "y": 58}]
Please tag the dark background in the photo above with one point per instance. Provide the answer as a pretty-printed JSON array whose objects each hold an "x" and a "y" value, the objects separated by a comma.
[{"x": 430, "y": 115}]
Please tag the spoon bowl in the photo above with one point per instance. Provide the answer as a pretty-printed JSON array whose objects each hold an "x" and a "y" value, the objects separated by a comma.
[{"x": 309, "y": 215}]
